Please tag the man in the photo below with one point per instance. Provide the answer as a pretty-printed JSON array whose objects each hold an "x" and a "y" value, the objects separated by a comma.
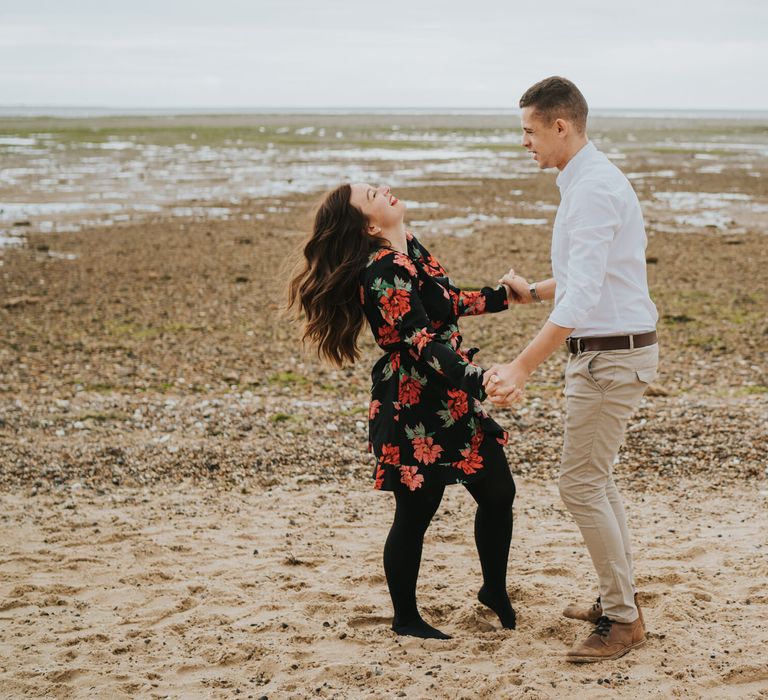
[{"x": 604, "y": 314}]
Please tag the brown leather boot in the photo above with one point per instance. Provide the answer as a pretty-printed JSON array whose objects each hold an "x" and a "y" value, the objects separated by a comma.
[
  {"x": 581, "y": 612},
  {"x": 609, "y": 640}
]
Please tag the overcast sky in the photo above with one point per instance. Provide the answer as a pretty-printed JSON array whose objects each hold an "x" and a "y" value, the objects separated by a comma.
[{"x": 400, "y": 53}]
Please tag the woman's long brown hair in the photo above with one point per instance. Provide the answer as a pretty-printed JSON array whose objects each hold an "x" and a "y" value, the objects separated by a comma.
[{"x": 326, "y": 288}]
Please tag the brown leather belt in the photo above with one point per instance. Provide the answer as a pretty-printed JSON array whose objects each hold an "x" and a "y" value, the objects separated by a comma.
[{"x": 613, "y": 342}]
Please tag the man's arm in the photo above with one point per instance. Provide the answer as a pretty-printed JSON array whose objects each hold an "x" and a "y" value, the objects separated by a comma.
[
  {"x": 546, "y": 289},
  {"x": 519, "y": 288},
  {"x": 547, "y": 340},
  {"x": 505, "y": 383},
  {"x": 592, "y": 223}
]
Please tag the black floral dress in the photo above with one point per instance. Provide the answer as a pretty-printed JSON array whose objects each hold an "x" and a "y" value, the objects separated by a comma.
[{"x": 426, "y": 422}]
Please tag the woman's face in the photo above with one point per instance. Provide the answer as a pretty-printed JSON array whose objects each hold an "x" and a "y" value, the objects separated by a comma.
[{"x": 383, "y": 210}]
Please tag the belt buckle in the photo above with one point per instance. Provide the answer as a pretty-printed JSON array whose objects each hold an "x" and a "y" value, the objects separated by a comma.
[{"x": 575, "y": 345}]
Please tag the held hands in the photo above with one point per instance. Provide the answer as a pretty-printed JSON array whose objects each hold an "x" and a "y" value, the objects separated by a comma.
[
  {"x": 517, "y": 288},
  {"x": 505, "y": 384}
]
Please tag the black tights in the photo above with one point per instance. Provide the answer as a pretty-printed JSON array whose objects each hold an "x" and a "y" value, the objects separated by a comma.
[{"x": 494, "y": 494}]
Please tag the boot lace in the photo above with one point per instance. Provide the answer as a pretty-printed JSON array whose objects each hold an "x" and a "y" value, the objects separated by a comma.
[
  {"x": 597, "y": 605},
  {"x": 603, "y": 626}
]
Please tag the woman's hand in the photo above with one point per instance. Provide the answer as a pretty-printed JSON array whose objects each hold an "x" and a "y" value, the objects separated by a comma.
[
  {"x": 505, "y": 384},
  {"x": 517, "y": 288}
]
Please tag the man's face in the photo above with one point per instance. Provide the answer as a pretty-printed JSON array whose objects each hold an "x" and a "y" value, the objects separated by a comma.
[{"x": 544, "y": 141}]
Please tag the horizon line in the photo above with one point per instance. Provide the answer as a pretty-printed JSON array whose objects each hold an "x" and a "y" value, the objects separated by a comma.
[{"x": 310, "y": 108}]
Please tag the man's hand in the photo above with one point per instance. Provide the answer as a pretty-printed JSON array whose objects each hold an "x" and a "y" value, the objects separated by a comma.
[
  {"x": 505, "y": 384},
  {"x": 517, "y": 288}
]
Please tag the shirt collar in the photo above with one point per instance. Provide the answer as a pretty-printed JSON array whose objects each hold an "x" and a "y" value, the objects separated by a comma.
[{"x": 574, "y": 166}]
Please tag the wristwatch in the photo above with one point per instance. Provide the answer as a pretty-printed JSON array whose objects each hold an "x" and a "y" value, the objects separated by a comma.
[{"x": 534, "y": 294}]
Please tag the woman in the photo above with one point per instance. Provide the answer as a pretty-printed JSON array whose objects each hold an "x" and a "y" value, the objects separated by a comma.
[{"x": 426, "y": 424}]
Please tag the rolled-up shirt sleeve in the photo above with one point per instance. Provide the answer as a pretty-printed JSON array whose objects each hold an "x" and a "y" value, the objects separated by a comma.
[{"x": 591, "y": 226}]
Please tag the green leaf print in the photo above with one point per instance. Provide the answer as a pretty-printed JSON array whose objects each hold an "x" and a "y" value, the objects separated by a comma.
[
  {"x": 472, "y": 369},
  {"x": 446, "y": 417},
  {"x": 434, "y": 363},
  {"x": 380, "y": 286},
  {"x": 417, "y": 431},
  {"x": 402, "y": 284}
]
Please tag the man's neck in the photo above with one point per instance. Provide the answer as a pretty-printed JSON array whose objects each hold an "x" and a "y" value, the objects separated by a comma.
[{"x": 572, "y": 150}]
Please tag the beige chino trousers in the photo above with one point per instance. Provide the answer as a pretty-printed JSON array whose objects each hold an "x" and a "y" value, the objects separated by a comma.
[{"x": 602, "y": 390}]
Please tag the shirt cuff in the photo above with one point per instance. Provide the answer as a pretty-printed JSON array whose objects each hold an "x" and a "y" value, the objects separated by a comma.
[{"x": 566, "y": 317}]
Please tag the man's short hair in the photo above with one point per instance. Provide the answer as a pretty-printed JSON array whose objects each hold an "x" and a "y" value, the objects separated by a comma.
[{"x": 557, "y": 98}]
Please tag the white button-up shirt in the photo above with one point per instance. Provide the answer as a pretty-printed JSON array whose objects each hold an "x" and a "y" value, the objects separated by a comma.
[{"x": 598, "y": 251}]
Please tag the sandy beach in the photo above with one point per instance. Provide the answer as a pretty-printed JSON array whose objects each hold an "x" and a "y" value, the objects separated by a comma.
[
  {"x": 187, "y": 592},
  {"x": 187, "y": 508}
]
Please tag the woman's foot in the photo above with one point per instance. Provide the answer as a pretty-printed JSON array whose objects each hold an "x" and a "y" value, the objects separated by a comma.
[
  {"x": 500, "y": 605},
  {"x": 418, "y": 628}
]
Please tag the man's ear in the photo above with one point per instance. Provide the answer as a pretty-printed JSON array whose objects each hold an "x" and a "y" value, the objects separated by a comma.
[{"x": 562, "y": 127}]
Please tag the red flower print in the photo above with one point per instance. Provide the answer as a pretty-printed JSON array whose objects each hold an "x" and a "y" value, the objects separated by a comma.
[
  {"x": 471, "y": 462},
  {"x": 382, "y": 252},
  {"x": 390, "y": 454},
  {"x": 373, "y": 409},
  {"x": 474, "y": 303},
  {"x": 395, "y": 303},
  {"x": 421, "y": 339},
  {"x": 405, "y": 261},
  {"x": 409, "y": 391},
  {"x": 388, "y": 335},
  {"x": 379, "y": 479},
  {"x": 457, "y": 403},
  {"x": 504, "y": 439},
  {"x": 394, "y": 362},
  {"x": 435, "y": 265},
  {"x": 476, "y": 441},
  {"x": 425, "y": 450},
  {"x": 454, "y": 339},
  {"x": 410, "y": 478}
]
